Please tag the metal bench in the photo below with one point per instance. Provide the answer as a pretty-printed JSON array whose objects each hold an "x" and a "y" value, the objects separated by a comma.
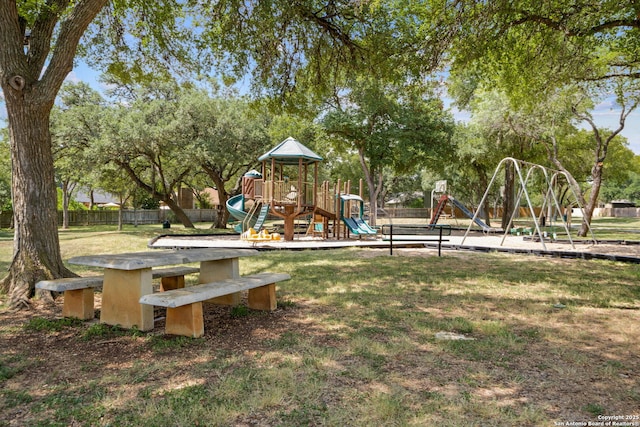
[
  {"x": 415, "y": 233},
  {"x": 184, "y": 306}
]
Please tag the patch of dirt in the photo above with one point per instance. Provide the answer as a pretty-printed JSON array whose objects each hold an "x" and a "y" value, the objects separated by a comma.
[{"x": 66, "y": 357}]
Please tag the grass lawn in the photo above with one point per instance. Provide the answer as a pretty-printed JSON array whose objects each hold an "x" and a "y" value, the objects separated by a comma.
[{"x": 353, "y": 342}]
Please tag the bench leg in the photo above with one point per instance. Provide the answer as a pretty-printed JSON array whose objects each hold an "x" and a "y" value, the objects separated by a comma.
[
  {"x": 210, "y": 271},
  {"x": 121, "y": 292},
  {"x": 169, "y": 283},
  {"x": 262, "y": 298},
  {"x": 78, "y": 303},
  {"x": 186, "y": 320},
  {"x": 231, "y": 299}
]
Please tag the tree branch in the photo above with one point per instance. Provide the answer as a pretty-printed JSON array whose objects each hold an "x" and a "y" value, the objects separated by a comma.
[
  {"x": 41, "y": 34},
  {"x": 630, "y": 75},
  {"x": 589, "y": 31},
  {"x": 71, "y": 30},
  {"x": 12, "y": 59},
  {"x": 326, "y": 23}
]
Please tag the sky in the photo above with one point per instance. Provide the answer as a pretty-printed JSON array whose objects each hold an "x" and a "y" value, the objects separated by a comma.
[{"x": 605, "y": 114}]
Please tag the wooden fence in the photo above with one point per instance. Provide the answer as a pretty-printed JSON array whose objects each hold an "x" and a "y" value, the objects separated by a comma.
[
  {"x": 110, "y": 217},
  {"x": 157, "y": 216}
]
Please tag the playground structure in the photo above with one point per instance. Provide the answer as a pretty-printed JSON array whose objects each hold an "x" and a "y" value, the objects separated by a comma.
[
  {"x": 288, "y": 188},
  {"x": 448, "y": 198},
  {"x": 441, "y": 188},
  {"x": 551, "y": 208}
]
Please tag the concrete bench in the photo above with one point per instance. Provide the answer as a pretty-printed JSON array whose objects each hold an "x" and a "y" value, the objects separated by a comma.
[
  {"x": 184, "y": 306},
  {"x": 79, "y": 291}
]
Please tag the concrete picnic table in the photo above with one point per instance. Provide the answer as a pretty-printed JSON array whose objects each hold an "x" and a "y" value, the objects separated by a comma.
[{"x": 128, "y": 276}]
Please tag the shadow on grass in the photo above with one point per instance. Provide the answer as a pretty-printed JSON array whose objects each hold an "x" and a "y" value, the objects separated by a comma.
[{"x": 355, "y": 345}]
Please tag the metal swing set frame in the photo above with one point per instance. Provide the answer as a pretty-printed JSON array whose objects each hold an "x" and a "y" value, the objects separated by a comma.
[{"x": 524, "y": 171}]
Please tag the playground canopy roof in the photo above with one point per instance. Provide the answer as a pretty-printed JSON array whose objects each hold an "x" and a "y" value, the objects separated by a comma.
[
  {"x": 289, "y": 152},
  {"x": 347, "y": 197}
]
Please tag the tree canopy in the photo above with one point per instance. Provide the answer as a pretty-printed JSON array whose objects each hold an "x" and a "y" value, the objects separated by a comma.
[
  {"x": 532, "y": 48},
  {"x": 225, "y": 137},
  {"x": 553, "y": 60},
  {"x": 75, "y": 128},
  {"x": 396, "y": 127}
]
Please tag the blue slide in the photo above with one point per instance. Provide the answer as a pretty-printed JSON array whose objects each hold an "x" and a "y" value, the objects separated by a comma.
[
  {"x": 235, "y": 206},
  {"x": 468, "y": 213},
  {"x": 362, "y": 225},
  {"x": 351, "y": 225},
  {"x": 358, "y": 227}
]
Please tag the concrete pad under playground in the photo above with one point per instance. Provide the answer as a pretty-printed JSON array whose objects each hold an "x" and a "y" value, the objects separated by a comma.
[{"x": 627, "y": 252}]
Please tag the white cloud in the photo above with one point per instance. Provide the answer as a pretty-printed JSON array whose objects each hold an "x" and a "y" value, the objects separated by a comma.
[{"x": 606, "y": 105}]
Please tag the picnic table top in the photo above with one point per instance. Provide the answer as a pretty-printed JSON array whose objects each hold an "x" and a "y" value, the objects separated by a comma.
[{"x": 157, "y": 258}]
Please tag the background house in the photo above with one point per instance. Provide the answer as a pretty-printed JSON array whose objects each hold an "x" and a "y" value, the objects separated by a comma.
[{"x": 96, "y": 198}]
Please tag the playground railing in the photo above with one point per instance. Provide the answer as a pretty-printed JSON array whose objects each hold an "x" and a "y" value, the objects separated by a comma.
[
  {"x": 287, "y": 192},
  {"x": 408, "y": 232},
  {"x": 326, "y": 200}
]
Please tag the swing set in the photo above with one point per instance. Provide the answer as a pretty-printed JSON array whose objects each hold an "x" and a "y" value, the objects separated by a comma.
[{"x": 525, "y": 173}]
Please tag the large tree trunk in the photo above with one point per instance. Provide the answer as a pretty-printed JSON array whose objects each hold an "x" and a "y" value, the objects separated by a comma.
[
  {"x": 165, "y": 196},
  {"x": 508, "y": 202},
  {"x": 67, "y": 190},
  {"x": 29, "y": 92},
  {"x": 120, "y": 211},
  {"x": 179, "y": 212},
  {"x": 36, "y": 254},
  {"x": 590, "y": 207},
  {"x": 219, "y": 181},
  {"x": 601, "y": 147},
  {"x": 485, "y": 210},
  {"x": 222, "y": 213},
  {"x": 374, "y": 187}
]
